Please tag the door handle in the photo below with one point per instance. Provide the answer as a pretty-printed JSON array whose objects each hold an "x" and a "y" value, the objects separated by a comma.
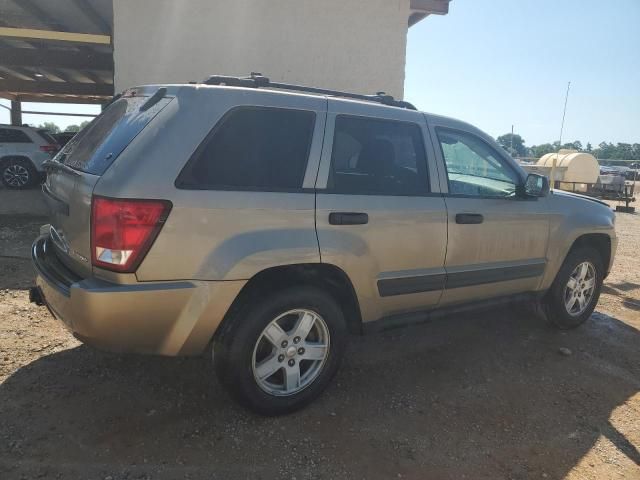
[
  {"x": 469, "y": 218},
  {"x": 348, "y": 218}
]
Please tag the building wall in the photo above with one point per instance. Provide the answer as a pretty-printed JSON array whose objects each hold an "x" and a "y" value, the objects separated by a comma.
[{"x": 355, "y": 45}]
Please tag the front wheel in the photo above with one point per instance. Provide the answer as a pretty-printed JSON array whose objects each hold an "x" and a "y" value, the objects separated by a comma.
[
  {"x": 278, "y": 355},
  {"x": 576, "y": 289}
]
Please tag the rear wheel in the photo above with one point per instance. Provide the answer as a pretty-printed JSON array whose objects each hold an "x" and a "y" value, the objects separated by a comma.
[
  {"x": 576, "y": 289},
  {"x": 17, "y": 173},
  {"x": 279, "y": 354}
]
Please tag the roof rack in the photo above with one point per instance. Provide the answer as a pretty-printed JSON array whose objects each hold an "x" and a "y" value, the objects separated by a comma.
[{"x": 257, "y": 80}]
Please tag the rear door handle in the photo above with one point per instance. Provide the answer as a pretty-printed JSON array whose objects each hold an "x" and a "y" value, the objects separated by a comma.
[
  {"x": 469, "y": 218},
  {"x": 348, "y": 218}
]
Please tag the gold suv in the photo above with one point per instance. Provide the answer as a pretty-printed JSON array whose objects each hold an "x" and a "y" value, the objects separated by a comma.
[{"x": 266, "y": 221}]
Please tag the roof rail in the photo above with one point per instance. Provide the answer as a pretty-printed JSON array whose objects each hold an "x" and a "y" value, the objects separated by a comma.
[{"x": 257, "y": 80}]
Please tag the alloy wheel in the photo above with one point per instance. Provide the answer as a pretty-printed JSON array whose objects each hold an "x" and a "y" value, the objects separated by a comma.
[
  {"x": 580, "y": 289},
  {"x": 16, "y": 175},
  {"x": 290, "y": 352}
]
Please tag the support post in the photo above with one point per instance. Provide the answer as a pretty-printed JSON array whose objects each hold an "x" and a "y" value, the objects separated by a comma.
[{"x": 16, "y": 112}]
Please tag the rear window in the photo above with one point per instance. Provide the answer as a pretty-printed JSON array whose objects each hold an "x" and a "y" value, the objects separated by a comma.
[
  {"x": 96, "y": 147},
  {"x": 253, "y": 148},
  {"x": 47, "y": 137},
  {"x": 10, "y": 135}
]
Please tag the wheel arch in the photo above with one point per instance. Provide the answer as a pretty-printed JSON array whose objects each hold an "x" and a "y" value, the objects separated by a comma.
[
  {"x": 601, "y": 242},
  {"x": 327, "y": 277}
]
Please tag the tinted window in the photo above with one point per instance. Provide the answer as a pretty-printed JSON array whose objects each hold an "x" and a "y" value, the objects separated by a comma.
[
  {"x": 47, "y": 137},
  {"x": 10, "y": 135},
  {"x": 373, "y": 156},
  {"x": 253, "y": 148},
  {"x": 95, "y": 148},
  {"x": 473, "y": 167}
]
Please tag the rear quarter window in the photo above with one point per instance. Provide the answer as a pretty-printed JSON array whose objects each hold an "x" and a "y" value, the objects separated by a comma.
[{"x": 252, "y": 148}]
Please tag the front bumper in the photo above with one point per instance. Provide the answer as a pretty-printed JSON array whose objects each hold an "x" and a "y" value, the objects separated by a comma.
[{"x": 167, "y": 318}]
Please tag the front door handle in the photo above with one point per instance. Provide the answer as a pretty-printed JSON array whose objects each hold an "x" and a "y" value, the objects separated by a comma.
[
  {"x": 469, "y": 218},
  {"x": 348, "y": 218}
]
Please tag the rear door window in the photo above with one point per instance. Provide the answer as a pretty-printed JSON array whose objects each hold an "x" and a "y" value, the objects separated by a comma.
[
  {"x": 377, "y": 157},
  {"x": 253, "y": 148},
  {"x": 95, "y": 148}
]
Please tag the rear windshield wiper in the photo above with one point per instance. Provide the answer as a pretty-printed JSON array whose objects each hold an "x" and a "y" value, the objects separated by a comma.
[{"x": 153, "y": 99}]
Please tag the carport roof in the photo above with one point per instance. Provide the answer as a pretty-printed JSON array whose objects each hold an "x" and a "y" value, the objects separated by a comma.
[
  {"x": 62, "y": 50},
  {"x": 56, "y": 50}
]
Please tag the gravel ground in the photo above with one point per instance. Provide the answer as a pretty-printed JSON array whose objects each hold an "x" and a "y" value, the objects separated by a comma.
[{"x": 490, "y": 395}]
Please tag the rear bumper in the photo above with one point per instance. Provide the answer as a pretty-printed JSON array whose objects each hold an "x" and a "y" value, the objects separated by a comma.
[{"x": 167, "y": 318}]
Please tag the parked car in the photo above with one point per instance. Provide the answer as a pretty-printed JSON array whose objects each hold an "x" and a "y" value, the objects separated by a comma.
[
  {"x": 22, "y": 151},
  {"x": 263, "y": 226}
]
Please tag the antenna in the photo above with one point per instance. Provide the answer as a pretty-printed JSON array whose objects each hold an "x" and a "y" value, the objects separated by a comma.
[{"x": 564, "y": 112}]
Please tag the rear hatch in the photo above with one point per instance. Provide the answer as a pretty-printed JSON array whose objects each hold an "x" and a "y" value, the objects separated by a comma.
[{"x": 75, "y": 171}]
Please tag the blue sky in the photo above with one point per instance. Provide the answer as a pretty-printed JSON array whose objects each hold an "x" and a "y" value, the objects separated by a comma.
[
  {"x": 502, "y": 62},
  {"x": 495, "y": 63}
]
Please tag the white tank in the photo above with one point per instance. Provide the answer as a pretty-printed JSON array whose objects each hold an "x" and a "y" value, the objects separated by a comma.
[{"x": 576, "y": 167}]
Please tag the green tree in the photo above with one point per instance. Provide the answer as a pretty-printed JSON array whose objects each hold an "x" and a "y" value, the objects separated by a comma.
[
  {"x": 589, "y": 147},
  {"x": 540, "y": 150},
  {"x": 50, "y": 127},
  {"x": 76, "y": 128},
  {"x": 577, "y": 145},
  {"x": 515, "y": 145}
]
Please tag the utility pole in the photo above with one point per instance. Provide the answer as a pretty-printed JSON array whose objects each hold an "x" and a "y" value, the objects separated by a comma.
[{"x": 511, "y": 139}]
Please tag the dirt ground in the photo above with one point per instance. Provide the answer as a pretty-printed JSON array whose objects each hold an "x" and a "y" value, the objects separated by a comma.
[{"x": 479, "y": 396}]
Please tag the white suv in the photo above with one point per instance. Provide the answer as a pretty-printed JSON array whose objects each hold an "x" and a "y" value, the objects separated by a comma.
[{"x": 22, "y": 151}]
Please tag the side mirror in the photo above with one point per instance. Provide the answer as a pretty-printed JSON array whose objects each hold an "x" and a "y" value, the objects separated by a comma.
[{"x": 536, "y": 185}]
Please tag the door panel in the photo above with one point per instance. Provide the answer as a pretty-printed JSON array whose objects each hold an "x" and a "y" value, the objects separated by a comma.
[
  {"x": 391, "y": 243},
  {"x": 504, "y": 254},
  {"x": 497, "y": 241}
]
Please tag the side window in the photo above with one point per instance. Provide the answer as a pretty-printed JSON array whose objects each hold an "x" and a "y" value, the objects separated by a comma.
[
  {"x": 10, "y": 135},
  {"x": 473, "y": 167},
  {"x": 253, "y": 148},
  {"x": 372, "y": 156}
]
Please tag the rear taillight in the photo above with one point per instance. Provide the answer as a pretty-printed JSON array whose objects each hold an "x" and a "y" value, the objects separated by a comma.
[
  {"x": 122, "y": 231},
  {"x": 51, "y": 149}
]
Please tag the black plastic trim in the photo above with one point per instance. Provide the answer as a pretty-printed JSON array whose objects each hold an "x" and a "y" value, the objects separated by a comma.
[
  {"x": 437, "y": 281},
  {"x": 402, "y": 286},
  {"x": 492, "y": 275},
  {"x": 50, "y": 267}
]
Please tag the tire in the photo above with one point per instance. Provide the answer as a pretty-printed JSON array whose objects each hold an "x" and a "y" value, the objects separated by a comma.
[
  {"x": 560, "y": 294},
  {"x": 243, "y": 353},
  {"x": 17, "y": 173}
]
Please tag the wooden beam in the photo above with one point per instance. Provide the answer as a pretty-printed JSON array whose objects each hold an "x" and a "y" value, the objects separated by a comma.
[
  {"x": 36, "y": 112},
  {"x": 43, "y": 98},
  {"x": 53, "y": 35},
  {"x": 69, "y": 59},
  {"x": 57, "y": 88}
]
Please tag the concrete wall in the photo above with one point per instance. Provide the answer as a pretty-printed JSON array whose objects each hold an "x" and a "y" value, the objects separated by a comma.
[{"x": 355, "y": 45}]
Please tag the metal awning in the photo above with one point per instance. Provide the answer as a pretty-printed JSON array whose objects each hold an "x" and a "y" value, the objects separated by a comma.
[{"x": 56, "y": 50}]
